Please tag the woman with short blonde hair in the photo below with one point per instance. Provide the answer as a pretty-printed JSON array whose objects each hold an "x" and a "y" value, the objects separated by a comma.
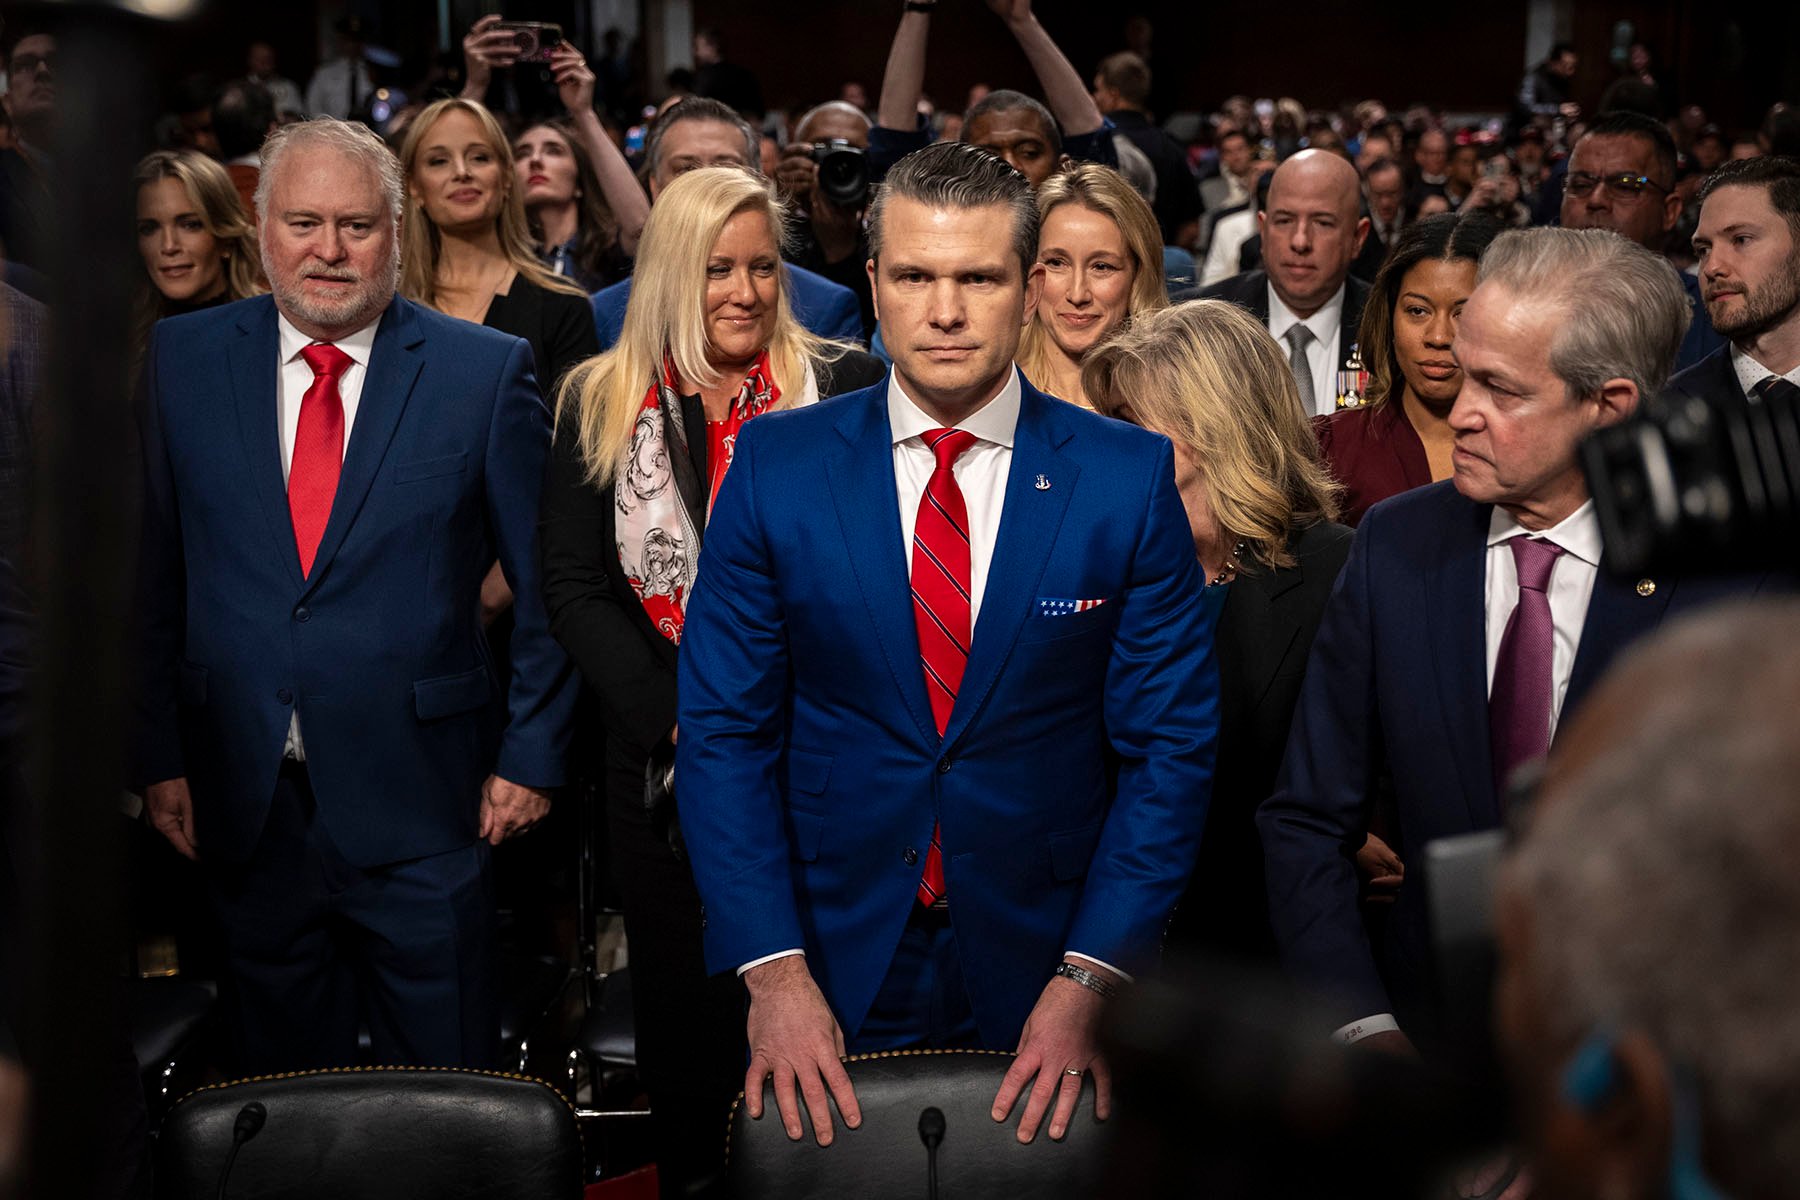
[
  {"x": 1099, "y": 265},
  {"x": 1207, "y": 375},
  {"x": 644, "y": 437}
]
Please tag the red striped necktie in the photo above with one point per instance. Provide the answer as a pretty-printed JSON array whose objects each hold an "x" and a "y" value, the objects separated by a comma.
[
  {"x": 941, "y": 609},
  {"x": 318, "y": 450}
]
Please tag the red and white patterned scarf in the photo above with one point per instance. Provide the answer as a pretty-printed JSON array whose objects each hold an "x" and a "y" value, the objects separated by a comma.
[{"x": 659, "y": 547}]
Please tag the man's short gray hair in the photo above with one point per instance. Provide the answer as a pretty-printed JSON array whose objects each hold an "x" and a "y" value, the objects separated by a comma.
[
  {"x": 1660, "y": 878},
  {"x": 958, "y": 175},
  {"x": 1623, "y": 311},
  {"x": 349, "y": 138}
]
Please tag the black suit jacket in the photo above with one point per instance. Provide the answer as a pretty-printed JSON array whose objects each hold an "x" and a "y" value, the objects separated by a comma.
[
  {"x": 627, "y": 663},
  {"x": 1712, "y": 378},
  {"x": 1264, "y": 635},
  {"x": 1250, "y": 291}
]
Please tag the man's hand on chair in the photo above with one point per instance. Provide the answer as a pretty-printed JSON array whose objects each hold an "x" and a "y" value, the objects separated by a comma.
[
  {"x": 795, "y": 1039},
  {"x": 1059, "y": 1045}
]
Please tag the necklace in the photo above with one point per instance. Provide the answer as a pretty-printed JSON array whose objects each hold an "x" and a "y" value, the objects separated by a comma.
[{"x": 1230, "y": 568}]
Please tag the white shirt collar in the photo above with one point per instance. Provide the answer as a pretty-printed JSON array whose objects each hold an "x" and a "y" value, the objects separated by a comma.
[
  {"x": 1578, "y": 533},
  {"x": 1323, "y": 324},
  {"x": 1750, "y": 372},
  {"x": 996, "y": 421},
  {"x": 359, "y": 345}
]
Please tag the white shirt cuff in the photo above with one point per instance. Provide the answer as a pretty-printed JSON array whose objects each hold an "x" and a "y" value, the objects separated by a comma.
[
  {"x": 1099, "y": 962},
  {"x": 769, "y": 958},
  {"x": 1356, "y": 1031}
]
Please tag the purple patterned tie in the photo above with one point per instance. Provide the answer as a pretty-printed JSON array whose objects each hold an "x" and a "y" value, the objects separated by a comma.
[{"x": 1520, "y": 702}]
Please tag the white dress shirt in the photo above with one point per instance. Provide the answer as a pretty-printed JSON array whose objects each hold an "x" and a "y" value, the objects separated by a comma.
[
  {"x": 1323, "y": 354},
  {"x": 981, "y": 473},
  {"x": 291, "y": 382},
  {"x": 1750, "y": 372},
  {"x": 1571, "y": 587}
]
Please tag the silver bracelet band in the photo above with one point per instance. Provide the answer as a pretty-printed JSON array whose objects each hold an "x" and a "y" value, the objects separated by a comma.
[{"x": 1106, "y": 988}]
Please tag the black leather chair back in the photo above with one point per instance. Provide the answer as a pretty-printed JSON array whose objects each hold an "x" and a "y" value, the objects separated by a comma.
[
  {"x": 885, "y": 1157},
  {"x": 376, "y": 1132}
]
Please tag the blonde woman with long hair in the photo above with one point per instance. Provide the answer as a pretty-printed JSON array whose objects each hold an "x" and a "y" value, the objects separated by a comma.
[
  {"x": 1100, "y": 263},
  {"x": 466, "y": 249},
  {"x": 1262, "y": 508},
  {"x": 644, "y": 436},
  {"x": 197, "y": 241}
]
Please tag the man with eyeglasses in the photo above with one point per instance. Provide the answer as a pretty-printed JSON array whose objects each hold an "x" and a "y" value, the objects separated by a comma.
[
  {"x": 1622, "y": 177},
  {"x": 25, "y": 170}
]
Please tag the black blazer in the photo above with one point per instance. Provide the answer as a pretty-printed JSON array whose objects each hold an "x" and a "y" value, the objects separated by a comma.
[
  {"x": 1264, "y": 635},
  {"x": 559, "y": 326},
  {"x": 627, "y": 663},
  {"x": 1712, "y": 378},
  {"x": 1250, "y": 291}
]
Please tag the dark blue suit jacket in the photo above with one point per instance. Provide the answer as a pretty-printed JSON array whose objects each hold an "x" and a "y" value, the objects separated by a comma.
[
  {"x": 826, "y": 308},
  {"x": 1397, "y": 683},
  {"x": 1701, "y": 338},
  {"x": 810, "y": 771},
  {"x": 381, "y": 648}
]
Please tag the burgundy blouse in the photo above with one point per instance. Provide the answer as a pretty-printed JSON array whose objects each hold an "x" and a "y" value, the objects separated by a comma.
[{"x": 1374, "y": 453}]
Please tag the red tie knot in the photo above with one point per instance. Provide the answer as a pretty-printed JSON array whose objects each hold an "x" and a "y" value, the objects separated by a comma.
[
  {"x": 1535, "y": 559},
  {"x": 948, "y": 445},
  {"x": 326, "y": 359}
]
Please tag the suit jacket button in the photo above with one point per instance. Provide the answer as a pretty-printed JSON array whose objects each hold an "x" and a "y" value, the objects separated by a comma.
[
  {"x": 303, "y": 614},
  {"x": 944, "y": 765},
  {"x": 285, "y": 696},
  {"x": 910, "y": 857}
]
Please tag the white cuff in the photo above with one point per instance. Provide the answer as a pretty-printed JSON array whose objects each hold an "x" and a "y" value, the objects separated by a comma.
[
  {"x": 769, "y": 958},
  {"x": 1356, "y": 1031},
  {"x": 1099, "y": 962}
]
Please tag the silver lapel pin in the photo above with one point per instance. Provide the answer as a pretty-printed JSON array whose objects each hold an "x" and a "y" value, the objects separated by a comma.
[{"x": 1043, "y": 485}]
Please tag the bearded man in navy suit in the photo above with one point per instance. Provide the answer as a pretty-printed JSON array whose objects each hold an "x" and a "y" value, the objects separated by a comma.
[{"x": 330, "y": 472}]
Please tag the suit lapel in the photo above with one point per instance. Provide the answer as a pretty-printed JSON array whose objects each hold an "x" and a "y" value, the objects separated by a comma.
[
  {"x": 1029, "y": 520},
  {"x": 394, "y": 366},
  {"x": 1456, "y": 613},
  {"x": 861, "y": 473},
  {"x": 1260, "y": 605},
  {"x": 254, "y": 360},
  {"x": 1616, "y": 616}
]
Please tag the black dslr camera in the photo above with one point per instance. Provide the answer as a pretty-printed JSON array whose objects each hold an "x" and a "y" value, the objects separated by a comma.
[
  {"x": 1699, "y": 484},
  {"x": 843, "y": 173}
]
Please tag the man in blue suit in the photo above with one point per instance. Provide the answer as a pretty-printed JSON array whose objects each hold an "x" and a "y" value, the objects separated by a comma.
[
  {"x": 947, "y": 697},
  {"x": 697, "y": 132},
  {"x": 329, "y": 474},
  {"x": 1472, "y": 616}
]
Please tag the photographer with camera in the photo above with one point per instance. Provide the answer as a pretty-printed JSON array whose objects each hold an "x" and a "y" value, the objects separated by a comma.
[
  {"x": 1649, "y": 925},
  {"x": 823, "y": 175}
]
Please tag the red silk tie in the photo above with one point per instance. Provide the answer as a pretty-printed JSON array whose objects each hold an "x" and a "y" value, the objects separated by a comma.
[
  {"x": 940, "y": 592},
  {"x": 318, "y": 450}
]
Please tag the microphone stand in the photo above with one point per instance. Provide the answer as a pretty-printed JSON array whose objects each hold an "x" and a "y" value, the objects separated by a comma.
[
  {"x": 931, "y": 1132},
  {"x": 249, "y": 1123}
]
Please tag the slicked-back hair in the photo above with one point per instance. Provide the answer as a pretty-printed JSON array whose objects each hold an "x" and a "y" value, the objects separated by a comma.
[
  {"x": 1778, "y": 174},
  {"x": 1445, "y": 237},
  {"x": 1128, "y": 75},
  {"x": 1623, "y": 310},
  {"x": 700, "y": 108},
  {"x": 1625, "y": 123},
  {"x": 1006, "y": 100},
  {"x": 350, "y": 138},
  {"x": 958, "y": 175}
]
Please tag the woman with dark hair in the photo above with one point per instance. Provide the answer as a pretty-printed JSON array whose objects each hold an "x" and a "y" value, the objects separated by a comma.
[
  {"x": 1400, "y": 437},
  {"x": 571, "y": 223}
]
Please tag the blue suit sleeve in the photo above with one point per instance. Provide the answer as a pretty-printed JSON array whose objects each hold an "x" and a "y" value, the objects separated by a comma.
[
  {"x": 609, "y": 313},
  {"x": 1095, "y": 146},
  {"x": 731, "y": 691},
  {"x": 1162, "y": 715},
  {"x": 161, "y": 605},
  {"x": 541, "y": 703},
  {"x": 1315, "y": 821}
]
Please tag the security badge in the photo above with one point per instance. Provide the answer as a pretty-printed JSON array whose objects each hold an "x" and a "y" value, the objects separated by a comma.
[{"x": 1352, "y": 381}]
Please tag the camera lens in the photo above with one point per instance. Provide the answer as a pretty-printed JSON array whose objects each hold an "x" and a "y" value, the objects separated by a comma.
[{"x": 843, "y": 175}]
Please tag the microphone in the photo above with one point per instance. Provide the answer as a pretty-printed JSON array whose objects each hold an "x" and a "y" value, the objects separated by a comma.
[
  {"x": 931, "y": 1132},
  {"x": 249, "y": 1123}
]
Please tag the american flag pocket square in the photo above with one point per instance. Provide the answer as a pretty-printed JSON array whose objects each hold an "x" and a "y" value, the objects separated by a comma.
[{"x": 1050, "y": 606}]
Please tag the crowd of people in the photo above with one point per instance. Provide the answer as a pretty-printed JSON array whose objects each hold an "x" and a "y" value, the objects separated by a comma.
[{"x": 963, "y": 555}]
